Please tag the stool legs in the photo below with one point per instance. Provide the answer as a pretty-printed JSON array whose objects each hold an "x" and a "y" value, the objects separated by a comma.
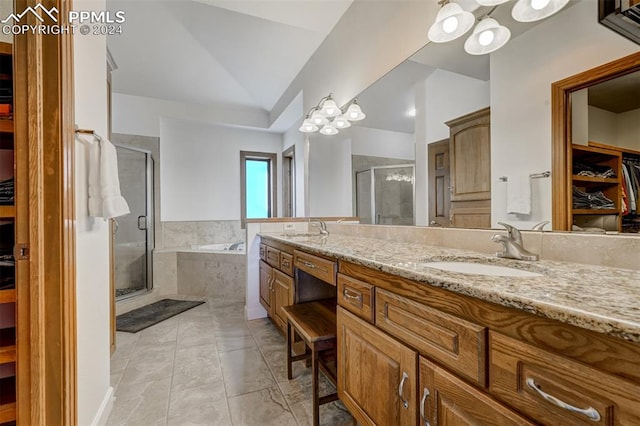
[
  {"x": 314, "y": 385},
  {"x": 289, "y": 360}
]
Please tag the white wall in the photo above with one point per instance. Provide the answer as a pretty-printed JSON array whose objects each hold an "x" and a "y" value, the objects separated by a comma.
[
  {"x": 92, "y": 236},
  {"x": 293, "y": 137},
  {"x": 629, "y": 129},
  {"x": 330, "y": 186},
  {"x": 441, "y": 97},
  {"x": 137, "y": 115},
  {"x": 603, "y": 125},
  {"x": 382, "y": 143},
  {"x": 200, "y": 168},
  {"x": 521, "y": 74}
]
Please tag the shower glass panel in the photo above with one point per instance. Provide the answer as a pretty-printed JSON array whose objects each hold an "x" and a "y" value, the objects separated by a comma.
[
  {"x": 133, "y": 233},
  {"x": 390, "y": 191},
  {"x": 364, "y": 196}
]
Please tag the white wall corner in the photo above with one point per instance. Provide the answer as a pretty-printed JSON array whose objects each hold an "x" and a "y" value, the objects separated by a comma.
[{"x": 105, "y": 408}]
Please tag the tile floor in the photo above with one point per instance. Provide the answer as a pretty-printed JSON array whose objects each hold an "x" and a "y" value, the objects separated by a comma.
[{"x": 208, "y": 366}]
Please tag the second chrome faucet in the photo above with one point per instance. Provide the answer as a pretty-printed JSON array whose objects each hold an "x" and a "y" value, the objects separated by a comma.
[{"x": 512, "y": 246}]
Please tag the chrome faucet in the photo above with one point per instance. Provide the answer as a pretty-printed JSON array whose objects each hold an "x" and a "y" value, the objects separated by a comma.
[
  {"x": 540, "y": 226},
  {"x": 321, "y": 225},
  {"x": 512, "y": 244}
]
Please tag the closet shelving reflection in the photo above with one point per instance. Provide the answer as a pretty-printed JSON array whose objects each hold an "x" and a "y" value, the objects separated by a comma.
[{"x": 602, "y": 156}]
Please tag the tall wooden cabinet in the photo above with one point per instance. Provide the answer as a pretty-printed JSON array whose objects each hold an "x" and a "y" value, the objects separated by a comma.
[
  {"x": 470, "y": 170},
  {"x": 8, "y": 219}
]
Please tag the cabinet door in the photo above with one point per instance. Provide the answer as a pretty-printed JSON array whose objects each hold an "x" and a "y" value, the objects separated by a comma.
[
  {"x": 376, "y": 374},
  {"x": 447, "y": 400},
  {"x": 282, "y": 296},
  {"x": 470, "y": 155},
  {"x": 266, "y": 273}
]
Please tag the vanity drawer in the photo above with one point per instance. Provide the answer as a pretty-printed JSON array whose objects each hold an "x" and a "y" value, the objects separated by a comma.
[
  {"x": 454, "y": 342},
  {"x": 263, "y": 252},
  {"x": 555, "y": 390},
  {"x": 318, "y": 267},
  {"x": 286, "y": 263},
  {"x": 273, "y": 257},
  {"x": 356, "y": 296}
]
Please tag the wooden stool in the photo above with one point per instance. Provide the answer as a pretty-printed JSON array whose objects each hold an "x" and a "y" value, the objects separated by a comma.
[{"x": 315, "y": 323}]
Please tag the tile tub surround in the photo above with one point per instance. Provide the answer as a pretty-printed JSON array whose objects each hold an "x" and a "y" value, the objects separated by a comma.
[
  {"x": 213, "y": 274},
  {"x": 187, "y": 234},
  {"x": 596, "y": 298}
]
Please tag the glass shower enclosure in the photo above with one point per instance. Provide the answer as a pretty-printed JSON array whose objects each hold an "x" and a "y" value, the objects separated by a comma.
[
  {"x": 385, "y": 195},
  {"x": 133, "y": 233}
]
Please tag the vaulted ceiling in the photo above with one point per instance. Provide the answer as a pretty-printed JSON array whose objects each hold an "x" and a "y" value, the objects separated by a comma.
[{"x": 217, "y": 52}]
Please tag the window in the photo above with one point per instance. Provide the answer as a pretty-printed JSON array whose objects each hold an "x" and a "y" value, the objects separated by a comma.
[
  {"x": 258, "y": 184},
  {"x": 288, "y": 182}
]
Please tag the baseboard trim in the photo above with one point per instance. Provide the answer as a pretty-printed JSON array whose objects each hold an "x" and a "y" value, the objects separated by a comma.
[
  {"x": 254, "y": 312},
  {"x": 105, "y": 408}
]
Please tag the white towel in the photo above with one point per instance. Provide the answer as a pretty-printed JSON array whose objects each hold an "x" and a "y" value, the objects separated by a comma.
[
  {"x": 104, "y": 186},
  {"x": 519, "y": 194}
]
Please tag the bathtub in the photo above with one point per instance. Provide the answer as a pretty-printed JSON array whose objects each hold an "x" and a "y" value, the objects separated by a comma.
[{"x": 224, "y": 247}]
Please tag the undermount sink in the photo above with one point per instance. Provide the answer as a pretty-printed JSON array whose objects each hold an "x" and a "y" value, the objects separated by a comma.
[{"x": 480, "y": 269}]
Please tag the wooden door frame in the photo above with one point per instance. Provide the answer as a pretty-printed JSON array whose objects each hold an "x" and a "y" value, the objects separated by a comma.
[
  {"x": 44, "y": 127},
  {"x": 561, "y": 131}
]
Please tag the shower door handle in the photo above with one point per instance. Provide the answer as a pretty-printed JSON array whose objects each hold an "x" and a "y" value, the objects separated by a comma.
[{"x": 142, "y": 223}]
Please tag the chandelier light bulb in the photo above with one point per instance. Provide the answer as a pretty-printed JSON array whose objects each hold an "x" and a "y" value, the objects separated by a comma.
[
  {"x": 539, "y": 4},
  {"x": 535, "y": 10},
  {"x": 354, "y": 112},
  {"x": 486, "y": 37},
  {"x": 308, "y": 126},
  {"x": 329, "y": 130},
  {"x": 341, "y": 122},
  {"x": 318, "y": 119},
  {"x": 450, "y": 24},
  {"x": 330, "y": 108}
]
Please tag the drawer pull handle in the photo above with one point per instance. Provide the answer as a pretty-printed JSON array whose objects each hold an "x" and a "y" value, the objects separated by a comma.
[
  {"x": 425, "y": 395},
  {"x": 308, "y": 264},
  {"x": 590, "y": 412},
  {"x": 356, "y": 298},
  {"x": 285, "y": 263},
  {"x": 405, "y": 403}
]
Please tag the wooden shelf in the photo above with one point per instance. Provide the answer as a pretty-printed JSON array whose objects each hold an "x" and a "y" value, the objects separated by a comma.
[
  {"x": 590, "y": 179},
  {"x": 596, "y": 211},
  {"x": 7, "y": 412},
  {"x": 7, "y": 354},
  {"x": 8, "y": 296},
  {"x": 7, "y": 212},
  {"x": 6, "y": 126}
]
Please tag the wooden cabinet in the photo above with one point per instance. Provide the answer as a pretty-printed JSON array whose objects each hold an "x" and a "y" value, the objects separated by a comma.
[
  {"x": 266, "y": 276},
  {"x": 470, "y": 169},
  {"x": 8, "y": 220},
  {"x": 356, "y": 296},
  {"x": 479, "y": 363},
  {"x": 452, "y": 341},
  {"x": 555, "y": 390},
  {"x": 447, "y": 400},
  {"x": 282, "y": 295},
  {"x": 323, "y": 269},
  {"x": 376, "y": 374}
]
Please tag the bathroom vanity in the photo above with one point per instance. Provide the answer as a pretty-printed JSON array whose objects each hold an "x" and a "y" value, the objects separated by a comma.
[{"x": 547, "y": 344}]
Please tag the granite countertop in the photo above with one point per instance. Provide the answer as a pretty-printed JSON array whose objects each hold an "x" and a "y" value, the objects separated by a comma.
[{"x": 597, "y": 298}]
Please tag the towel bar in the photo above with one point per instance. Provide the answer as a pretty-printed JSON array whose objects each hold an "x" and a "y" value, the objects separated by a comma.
[{"x": 532, "y": 176}]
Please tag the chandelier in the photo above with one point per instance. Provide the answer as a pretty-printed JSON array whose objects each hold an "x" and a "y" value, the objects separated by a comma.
[{"x": 328, "y": 118}]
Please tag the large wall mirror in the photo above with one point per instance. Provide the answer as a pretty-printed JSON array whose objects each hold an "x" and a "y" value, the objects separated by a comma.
[{"x": 440, "y": 91}]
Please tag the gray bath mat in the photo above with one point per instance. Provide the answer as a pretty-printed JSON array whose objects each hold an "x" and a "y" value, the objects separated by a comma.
[{"x": 141, "y": 318}]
